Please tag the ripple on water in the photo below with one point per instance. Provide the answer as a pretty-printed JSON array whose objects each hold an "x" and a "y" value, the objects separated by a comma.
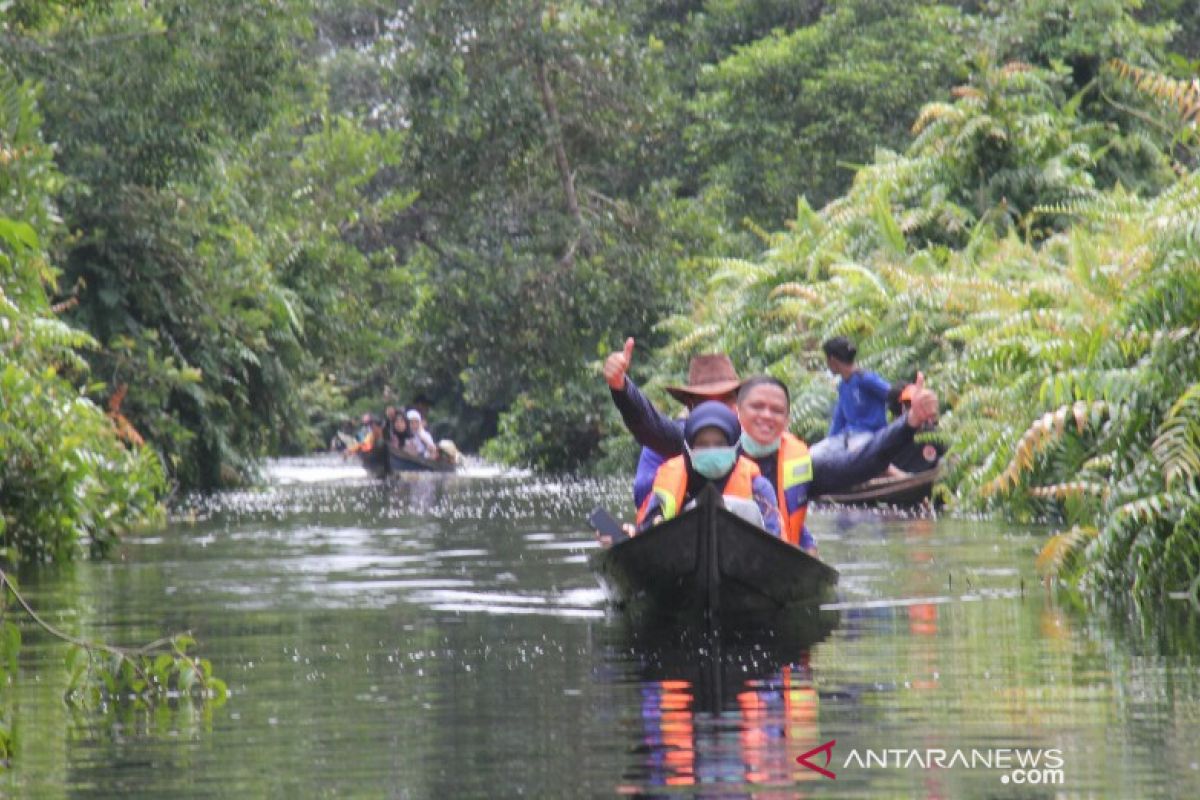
[{"x": 441, "y": 636}]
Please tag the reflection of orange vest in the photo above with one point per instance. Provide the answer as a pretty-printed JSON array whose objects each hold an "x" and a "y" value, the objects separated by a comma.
[
  {"x": 670, "y": 486},
  {"x": 678, "y": 734},
  {"x": 776, "y": 715},
  {"x": 793, "y": 471}
]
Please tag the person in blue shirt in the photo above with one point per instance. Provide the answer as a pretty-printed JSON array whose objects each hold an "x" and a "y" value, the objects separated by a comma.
[{"x": 861, "y": 408}]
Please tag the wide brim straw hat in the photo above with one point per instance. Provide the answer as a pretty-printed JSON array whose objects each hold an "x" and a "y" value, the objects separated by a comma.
[{"x": 710, "y": 376}]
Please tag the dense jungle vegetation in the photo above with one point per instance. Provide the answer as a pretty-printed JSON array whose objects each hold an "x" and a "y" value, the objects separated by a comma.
[{"x": 226, "y": 226}]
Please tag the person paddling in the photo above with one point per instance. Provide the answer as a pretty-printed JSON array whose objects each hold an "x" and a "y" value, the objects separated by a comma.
[{"x": 369, "y": 435}]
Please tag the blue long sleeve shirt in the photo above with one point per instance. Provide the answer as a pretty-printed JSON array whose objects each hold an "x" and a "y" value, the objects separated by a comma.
[
  {"x": 861, "y": 405},
  {"x": 643, "y": 480}
]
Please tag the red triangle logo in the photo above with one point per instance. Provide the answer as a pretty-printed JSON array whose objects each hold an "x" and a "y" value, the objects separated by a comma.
[{"x": 827, "y": 749}]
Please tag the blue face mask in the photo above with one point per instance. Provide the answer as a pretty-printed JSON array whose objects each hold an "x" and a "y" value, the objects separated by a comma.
[
  {"x": 713, "y": 462},
  {"x": 756, "y": 450}
]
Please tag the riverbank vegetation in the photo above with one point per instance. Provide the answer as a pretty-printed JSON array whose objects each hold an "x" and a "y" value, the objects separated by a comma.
[
  {"x": 227, "y": 225},
  {"x": 1056, "y": 314}
]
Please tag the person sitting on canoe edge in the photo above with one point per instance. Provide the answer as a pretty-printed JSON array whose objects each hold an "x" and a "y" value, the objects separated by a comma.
[
  {"x": 861, "y": 407},
  {"x": 711, "y": 376},
  {"x": 711, "y": 456},
  {"x": 764, "y": 409}
]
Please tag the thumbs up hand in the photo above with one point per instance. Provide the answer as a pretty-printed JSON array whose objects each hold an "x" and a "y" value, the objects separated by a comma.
[
  {"x": 924, "y": 407},
  {"x": 616, "y": 365}
]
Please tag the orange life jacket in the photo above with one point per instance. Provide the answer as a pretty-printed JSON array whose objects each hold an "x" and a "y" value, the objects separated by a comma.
[
  {"x": 670, "y": 486},
  {"x": 793, "y": 471},
  {"x": 365, "y": 446}
]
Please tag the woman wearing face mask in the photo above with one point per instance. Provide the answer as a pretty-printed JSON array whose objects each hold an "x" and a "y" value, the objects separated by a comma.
[{"x": 710, "y": 455}]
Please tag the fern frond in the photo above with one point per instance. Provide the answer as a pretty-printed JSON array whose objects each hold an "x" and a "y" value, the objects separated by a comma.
[
  {"x": 1051, "y": 426},
  {"x": 1061, "y": 548},
  {"x": 932, "y": 112},
  {"x": 1183, "y": 96},
  {"x": 864, "y": 276},
  {"x": 1177, "y": 447},
  {"x": 733, "y": 270},
  {"x": 1147, "y": 510},
  {"x": 1063, "y": 491},
  {"x": 691, "y": 343},
  {"x": 803, "y": 291}
]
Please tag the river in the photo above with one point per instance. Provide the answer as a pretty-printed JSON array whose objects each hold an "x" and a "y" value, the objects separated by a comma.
[{"x": 443, "y": 637}]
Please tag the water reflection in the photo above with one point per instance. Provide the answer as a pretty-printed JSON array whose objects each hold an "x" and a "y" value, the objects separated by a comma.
[
  {"x": 727, "y": 712},
  {"x": 441, "y": 636}
]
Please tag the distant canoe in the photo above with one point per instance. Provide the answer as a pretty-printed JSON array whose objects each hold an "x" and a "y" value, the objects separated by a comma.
[
  {"x": 907, "y": 492},
  {"x": 383, "y": 461},
  {"x": 710, "y": 563},
  {"x": 404, "y": 461}
]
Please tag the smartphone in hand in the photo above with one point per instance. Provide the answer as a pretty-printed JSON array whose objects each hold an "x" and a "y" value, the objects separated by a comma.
[{"x": 603, "y": 522}]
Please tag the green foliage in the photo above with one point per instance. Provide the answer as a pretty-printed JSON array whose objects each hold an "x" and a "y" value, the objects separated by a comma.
[
  {"x": 66, "y": 480},
  {"x": 274, "y": 212},
  {"x": 213, "y": 198},
  {"x": 792, "y": 113},
  {"x": 540, "y": 226},
  {"x": 138, "y": 120},
  {"x": 1056, "y": 318},
  {"x": 555, "y": 431},
  {"x": 104, "y": 676},
  {"x": 10, "y": 648},
  {"x": 159, "y": 673},
  {"x": 1079, "y": 34}
]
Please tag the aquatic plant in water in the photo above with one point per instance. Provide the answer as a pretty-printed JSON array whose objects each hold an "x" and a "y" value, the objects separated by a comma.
[{"x": 103, "y": 675}]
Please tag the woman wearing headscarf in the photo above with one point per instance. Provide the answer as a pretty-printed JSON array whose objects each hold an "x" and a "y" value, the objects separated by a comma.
[{"x": 711, "y": 456}]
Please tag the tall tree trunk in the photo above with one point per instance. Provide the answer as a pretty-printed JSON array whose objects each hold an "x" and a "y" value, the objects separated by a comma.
[{"x": 556, "y": 140}]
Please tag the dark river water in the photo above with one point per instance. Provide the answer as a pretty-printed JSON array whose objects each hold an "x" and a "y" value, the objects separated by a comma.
[{"x": 443, "y": 637}]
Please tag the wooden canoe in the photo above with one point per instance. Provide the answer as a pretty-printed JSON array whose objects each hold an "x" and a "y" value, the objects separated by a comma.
[
  {"x": 709, "y": 563},
  {"x": 404, "y": 461},
  {"x": 383, "y": 461},
  {"x": 907, "y": 491}
]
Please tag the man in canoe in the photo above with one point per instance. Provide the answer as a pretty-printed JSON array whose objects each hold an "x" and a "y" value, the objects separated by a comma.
[
  {"x": 918, "y": 456},
  {"x": 711, "y": 456},
  {"x": 369, "y": 434},
  {"x": 763, "y": 407},
  {"x": 862, "y": 399}
]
